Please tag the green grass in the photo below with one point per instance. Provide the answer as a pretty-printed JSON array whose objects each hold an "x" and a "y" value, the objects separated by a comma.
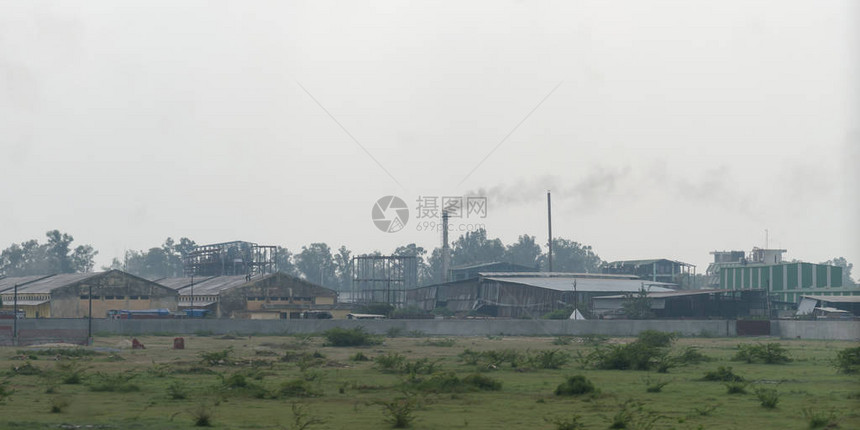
[{"x": 503, "y": 387}]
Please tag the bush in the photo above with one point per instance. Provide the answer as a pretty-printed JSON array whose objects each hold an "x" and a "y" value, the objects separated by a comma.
[
  {"x": 558, "y": 314},
  {"x": 390, "y": 362},
  {"x": 359, "y": 356},
  {"x": 632, "y": 415},
  {"x": 574, "y": 386},
  {"x": 202, "y": 416},
  {"x": 4, "y": 390},
  {"x": 571, "y": 423},
  {"x": 655, "y": 386},
  {"x": 493, "y": 359},
  {"x": 848, "y": 360},
  {"x": 770, "y": 353},
  {"x": 691, "y": 355},
  {"x": 562, "y": 340},
  {"x": 350, "y": 337},
  {"x": 61, "y": 352},
  {"x": 116, "y": 383},
  {"x": 722, "y": 374},
  {"x": 552, "y": 359},
  {"x": 449, "y": 383},
  {"x": 656, "y": 339},
  {"x": 296, "y": 388},
  {"x": 58, "y": 404},
  {"x": 446, "y": 342},
  {"x": 399, "y": 412},
  {"x": 215, "y": 358},
  {"x": 26, "y": 369},
  {"x": 70, "y": 372},
  {"x": 176, "y": 391},
  {"x": 635, "y": 356},
  {"x": 736, "y": 387},
  {"x": 820, "y": 419},
  {"x": 768, "y": 397}
]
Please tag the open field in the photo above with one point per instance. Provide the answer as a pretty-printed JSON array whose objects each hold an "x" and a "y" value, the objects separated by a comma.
[{"x": 265, "y": 380}]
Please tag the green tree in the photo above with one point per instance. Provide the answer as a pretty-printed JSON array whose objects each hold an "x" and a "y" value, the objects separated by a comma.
[
  {"x": 413, "y": 250},
  {"x": 284, "y": 261},
  {"x": 570, "y": 256},
  {"x": 54, "y": 256},
  {"x": 525, "y": 252},
  {"x": 638, "y": 306},
  {"x": 83, "y": 258},
  {"x": 343, "y": 268},
  {"x": 315, "y": 263},
  {"x": 474, "y": 248},
  {"x": 847, "y": 280}
]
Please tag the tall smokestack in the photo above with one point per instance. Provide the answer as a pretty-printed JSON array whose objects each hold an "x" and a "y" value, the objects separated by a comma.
[
  {"x": 446, "y": 252},
  {"x": 549, "y": 228}
]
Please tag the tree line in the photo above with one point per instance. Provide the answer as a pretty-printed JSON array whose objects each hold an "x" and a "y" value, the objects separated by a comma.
[{"x": 316, "y": 262}]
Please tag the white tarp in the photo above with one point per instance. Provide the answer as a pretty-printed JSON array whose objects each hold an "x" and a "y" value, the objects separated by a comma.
[{"x": 576, "y": 315}]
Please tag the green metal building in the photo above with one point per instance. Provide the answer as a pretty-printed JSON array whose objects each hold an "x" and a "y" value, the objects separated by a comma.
[{"x": 787, "y": 282}]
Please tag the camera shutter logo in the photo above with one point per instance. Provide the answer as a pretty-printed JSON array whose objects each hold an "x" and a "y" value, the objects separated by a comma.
[{"x": 390, "y": 214}]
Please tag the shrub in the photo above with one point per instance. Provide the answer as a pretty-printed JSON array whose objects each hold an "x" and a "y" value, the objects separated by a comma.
[
  {"x": 482, "y": 382},
  {"x": 302, "y": 419},
  {"x": 26, "y": 369},
  {"x": 722, "y": 374},
  {"x": 116, "y": 383},
  {"x": 574, "y": 386},
  {"x": 395, "y": 332},
  {"x": 70, "y": 372},
  {"x": 571, "y": 423},
  {"x": 390, "y": 362},
  {"x": 399, "y": 412},
  {"x": 359, "y": 356},
  {"x": 562, "y": 340},
  {"x": 58, "y": 404},
  {"x": 632, "y": 415},
  {"x": 655, "y": 386},
  {"x": 215, "y": 358},
  {"x": 635, "y": 356},
  {"x": 770, "y": 353},
  {"x": 551, "y": 359},
  {"x": 59, "y": 353},
  {"x": 820, "y": 419},
  {"x": 446, "y": 342},
  {"x": 202, "y": 416},
  {"x": 656, "y": 339},
  {"x": 4, "y": 390},
  {"x": 176, "y": 391},
  {"x": 450, "y": 383},
  {"x": 768, "y": 397},
  {"x": 350, "y": 337},
  {"x": 296, "y": 388},
  {"x": 736, "y": 387},
  {"x": 848, "y": 360},
  {"x": 691, "y": 355}
]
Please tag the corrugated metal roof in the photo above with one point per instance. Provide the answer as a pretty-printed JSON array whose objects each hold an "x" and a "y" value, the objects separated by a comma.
[
  {"x": 179, "y": 283},
  {"x": 586, "y": 284},
  {"x": 556, "y": 275},
  {"x": 27, "y": 302},
  {"x": 836, "y": 299},
  {"x": 51, "y": 283},
  {"x": 9, "y": 283},
  {"x": 213, "y": 286},
  {"x": 641, "y": 262},
  {"x": 663, "y": 295}
]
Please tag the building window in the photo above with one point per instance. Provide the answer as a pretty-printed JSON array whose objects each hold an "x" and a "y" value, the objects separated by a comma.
[
  {"x": 108, "y": 297},
  {"x": 144, "y": 297},
  {"x": 85, "y": 297},
  {"x": 134, "y": 297}
]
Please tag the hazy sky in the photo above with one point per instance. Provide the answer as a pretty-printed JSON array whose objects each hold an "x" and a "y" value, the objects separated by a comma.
[{"x": 678, "y": 127}]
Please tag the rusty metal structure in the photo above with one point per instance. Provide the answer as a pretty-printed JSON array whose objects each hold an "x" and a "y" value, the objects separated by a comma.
[
  {"x": 230, "y": 258},
  {"x": 383, "y": 279}
]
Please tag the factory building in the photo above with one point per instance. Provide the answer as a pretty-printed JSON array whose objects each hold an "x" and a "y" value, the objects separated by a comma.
[
  {"x": 529, "y": 295},
  {"x": 654, "y": 270},
  {"x": 69, "y": 295},
  {"x": 264, "y": 296},
  {"x": 786, "y": 283},
  {"x": 461, "y": 273}
]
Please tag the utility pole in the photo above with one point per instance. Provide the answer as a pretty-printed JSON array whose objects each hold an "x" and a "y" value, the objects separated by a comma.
[
  {"x": 15, "y": 317},
  {"x": 549, "y": 228},
  {"x": 90, "y": 316},
  {"x": 192, "y": 295}
]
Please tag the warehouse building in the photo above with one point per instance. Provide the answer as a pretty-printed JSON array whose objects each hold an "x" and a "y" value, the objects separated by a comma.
[
  {"x": 461, "y": 273},
  {"x": 67, "y": 295},
  {"x": 265, "y": 296},
  {"x": 530, "y": 295}
]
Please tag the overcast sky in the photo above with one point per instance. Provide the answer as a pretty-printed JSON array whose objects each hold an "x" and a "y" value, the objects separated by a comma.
[{"x": 664, "y": 128}]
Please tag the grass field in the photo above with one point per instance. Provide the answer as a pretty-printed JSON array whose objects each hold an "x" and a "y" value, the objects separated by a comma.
[{"x": 271, "y": 382}]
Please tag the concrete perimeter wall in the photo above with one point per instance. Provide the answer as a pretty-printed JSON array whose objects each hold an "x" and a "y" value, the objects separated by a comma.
[
  {"x": 719, "y": 328},
  {"x": 832, "y": 330}
]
